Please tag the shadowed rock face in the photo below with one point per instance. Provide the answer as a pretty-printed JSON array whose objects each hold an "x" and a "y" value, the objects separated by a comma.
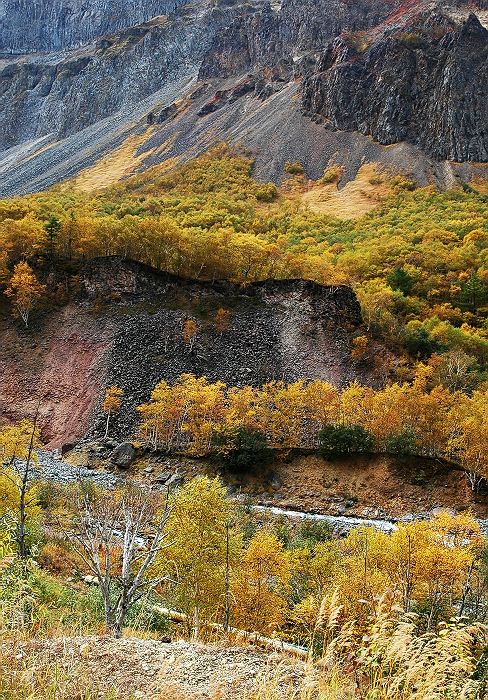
[
  {"x": 93, "y": 73},
  {"x": 412, "y": 86},
  {"x": 27, "y": 26},
  {"x": 125, "y": 328}
]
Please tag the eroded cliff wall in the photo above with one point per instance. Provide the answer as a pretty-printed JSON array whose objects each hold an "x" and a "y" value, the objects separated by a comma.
[
  {"x": 125, "y": 328},
  {"x": 313, "y": 80},
  {"x": 28, "y": 26}
]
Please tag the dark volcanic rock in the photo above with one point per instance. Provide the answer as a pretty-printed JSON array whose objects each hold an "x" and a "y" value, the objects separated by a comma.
[
  {"x": 123, "y": 455},
  {"x": 415, "y": 87},
  {"x": 126, "y": 329},
  {"x": 288, "y": 329}
]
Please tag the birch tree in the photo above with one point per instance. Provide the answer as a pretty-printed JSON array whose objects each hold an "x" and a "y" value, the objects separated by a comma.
[
  {"x": 118, "y": 537},
  {"x": 24, "y": 291},
  {"x": 111, "y": 404},
  {"x": 18, "y": 444}
]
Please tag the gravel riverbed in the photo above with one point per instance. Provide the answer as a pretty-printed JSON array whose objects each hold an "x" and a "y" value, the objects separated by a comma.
[{"x": 50, "y": 467}]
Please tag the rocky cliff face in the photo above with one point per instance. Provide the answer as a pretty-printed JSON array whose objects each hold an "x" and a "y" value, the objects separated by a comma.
[
  {"x": 125, "y": 328},
  {"x": 426, "y": 85},
  {"x": 83, "y": 87},
  {"x": 28, "y": 26},
  {"x": 78, "y": 78}
]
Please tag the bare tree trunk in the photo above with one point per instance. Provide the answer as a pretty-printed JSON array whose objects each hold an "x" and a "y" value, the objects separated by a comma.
[
  {"x": 227, "y": 579},
  {"x": 24, "y": 485},
  {"x": 196, "y": 615},
  {"x": 475, "y": 481},
  {"x": 99, "y": 529},
  {"x": 467, "y": 588},
  {"x": 196, "y": 623}
]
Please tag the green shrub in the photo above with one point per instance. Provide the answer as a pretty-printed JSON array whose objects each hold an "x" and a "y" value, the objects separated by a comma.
[
  {"x": 420, "y": 344},
  {"x": 241, "y": 449},
  {"x": 336, "y": 440},
  {"x": 310, "y": 532},
  {"x": 403, "y": 443},
  {"x": 267, "y": 192},
  {"x": 399, "y": 279}
]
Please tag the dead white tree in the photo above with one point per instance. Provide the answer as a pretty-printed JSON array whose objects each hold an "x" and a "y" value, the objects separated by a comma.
[
  {"x": 118, "y": 536},
  {"x": 474, "y": 480}
]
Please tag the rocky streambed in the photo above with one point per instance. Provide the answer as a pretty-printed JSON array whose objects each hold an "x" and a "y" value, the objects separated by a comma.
[{"x": 51, "y": 467}]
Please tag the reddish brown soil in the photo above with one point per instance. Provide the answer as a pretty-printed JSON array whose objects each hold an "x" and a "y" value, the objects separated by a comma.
[
  {"x": 378, "y": 483},
  {"x": 58, "y": 366}
]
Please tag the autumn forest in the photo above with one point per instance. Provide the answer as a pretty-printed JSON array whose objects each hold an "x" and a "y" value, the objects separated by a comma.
[{"x": 379, "y": 613}]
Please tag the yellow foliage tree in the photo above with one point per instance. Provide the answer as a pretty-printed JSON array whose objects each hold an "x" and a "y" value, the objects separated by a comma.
[
  {"x": 470, "y": 439},
  {"x": 189, "y": 333},
  {"x": 222, "y": 320},
  {"x": 18, "y": 497},
  {"x": 360, "y": 346},
  {"x": 4, "y": 271},
  {"x": 196, "y": 560},
  {"x": 413, "y": 418},
  {"x": 259, "y": 585},
  {"x": 112, "y": 403},
  {"x": 24, "y": 291},
  {"x": 426, "y": 564},
  {"x": 185, "y": 415}
]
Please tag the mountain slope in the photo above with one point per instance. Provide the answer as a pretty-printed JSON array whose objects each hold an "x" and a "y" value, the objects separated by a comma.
[{"x": 308, "y": 81}]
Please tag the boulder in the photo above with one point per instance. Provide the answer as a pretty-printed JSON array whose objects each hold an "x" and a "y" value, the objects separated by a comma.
[
  {"x": 163, "y": 478},
  {"x": 123, "y": 455},
  {"x": 275, "y": 481},
  {"x": 175, "y": 481}
]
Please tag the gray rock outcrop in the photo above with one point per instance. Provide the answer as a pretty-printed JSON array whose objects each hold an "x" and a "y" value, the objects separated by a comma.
[{"x": 28, "y": 26}]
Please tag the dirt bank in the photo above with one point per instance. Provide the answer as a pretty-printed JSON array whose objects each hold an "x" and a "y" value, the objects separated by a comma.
[{"x": 361, "y": 486}]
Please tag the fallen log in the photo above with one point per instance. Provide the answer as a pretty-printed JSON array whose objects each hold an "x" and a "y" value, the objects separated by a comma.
[{"x": 250, "y": 637}]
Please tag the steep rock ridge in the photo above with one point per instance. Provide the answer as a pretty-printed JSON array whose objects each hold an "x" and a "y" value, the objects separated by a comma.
[
  {"x": 308, "y": 80},
  {"x": 94, "y": 83},
  {"x": 125, "y": 328},
  {"x": 250, "y": 42},
  {"x": 28, "y": 26},
  {"x": 411, "y": 87},
  {"x": 271, "y": 41}
]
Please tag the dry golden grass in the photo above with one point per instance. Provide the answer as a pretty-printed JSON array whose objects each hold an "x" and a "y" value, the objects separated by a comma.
[
  {"x": 391, "y": 661},
  {"x": 357, "y": 198},
  {"x": 119, "y": 163},
  {"x": 34, "y": 676},
  {"x": 480, "y": 180}
]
